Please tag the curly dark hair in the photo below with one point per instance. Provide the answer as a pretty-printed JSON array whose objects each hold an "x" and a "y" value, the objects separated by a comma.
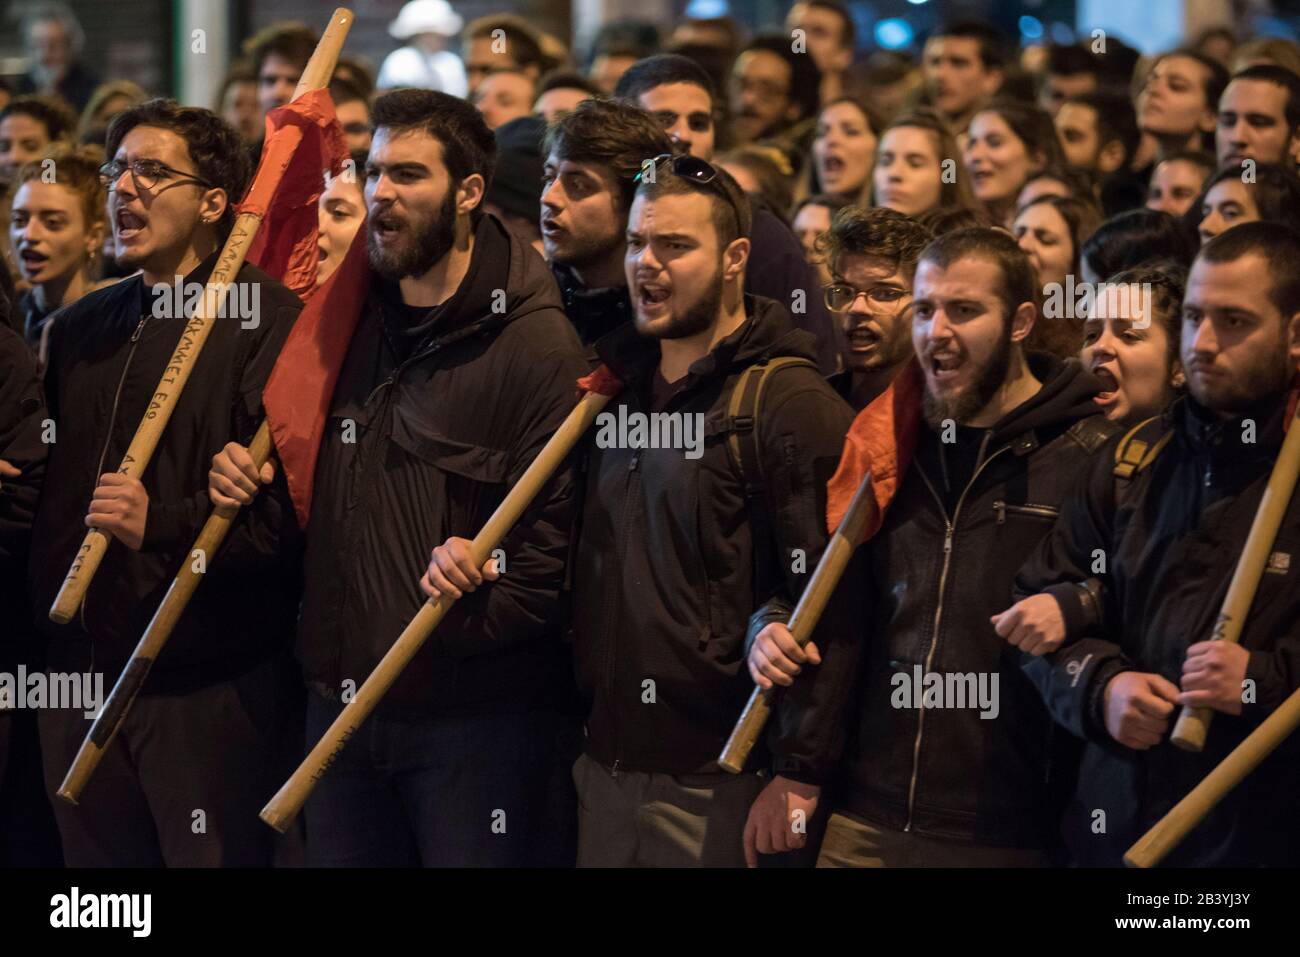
[
  {"x": 611, "y": 133},
  {"x": 52, "y": 111},
  {"x": 468, "y": 146},
  {"x": 296, "y": 42},
  {"x": 878, "y": 232},
  {"x": 1167, "y": 279},
  {"x": 219, "y": 155}
]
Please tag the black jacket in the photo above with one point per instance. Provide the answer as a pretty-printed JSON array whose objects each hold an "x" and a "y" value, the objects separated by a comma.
[
  {"x": 594, "y": 312},
  {"x": 934, "y": 575},
  {"x": 22, "y": 411},
  {"x": 1170, "y": 541},
  {"x": 107, "y": 354},
  {"x": 665, "y": 571},
  {"x": 440, "y": 436}
]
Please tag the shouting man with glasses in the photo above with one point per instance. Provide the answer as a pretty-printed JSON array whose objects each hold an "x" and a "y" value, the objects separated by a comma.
[
  {"x": 872, "y": 256},
  {"x": 196, "y": 756},
  {"x": 674, "y": 555}
]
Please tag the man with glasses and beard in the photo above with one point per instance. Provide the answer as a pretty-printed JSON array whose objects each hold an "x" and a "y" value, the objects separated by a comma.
[
  {"x": 210, "y": 728},
  {"x": 1136, "y": 631},
  {"x": 950, "y": 746},
  {"x": 461, "y": 367},
  {"x": 674, "y": 556}
]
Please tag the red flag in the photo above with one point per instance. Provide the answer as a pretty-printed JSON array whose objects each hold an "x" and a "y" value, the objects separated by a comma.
[
  {"x": 601, "y": 381},
  {"x": 303, "y": 139},
  {"x": 881, "y": 440}
]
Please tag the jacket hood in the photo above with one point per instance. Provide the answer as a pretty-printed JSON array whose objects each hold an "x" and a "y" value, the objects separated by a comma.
[
  {"x": 1066, "y": 396},
  {"x": 768, "y": 332}
]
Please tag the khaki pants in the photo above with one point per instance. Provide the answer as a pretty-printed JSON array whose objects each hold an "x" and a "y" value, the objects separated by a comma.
[
  {"x": 852, "y": 841},
  {"x": 645, "y": 819}
]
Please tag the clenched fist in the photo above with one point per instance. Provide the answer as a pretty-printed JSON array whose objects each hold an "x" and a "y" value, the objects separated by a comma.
[
  {"x": 232, "y": 480},
  {"x": 1137, "y": 707},
  {"x": 452, "y": 571},
  {"x": 1213, "y": 674},
  {"x": 1034, "y": 625},
  {"x": 120, "y": 506},
  {"x": 776, "y": 657}
]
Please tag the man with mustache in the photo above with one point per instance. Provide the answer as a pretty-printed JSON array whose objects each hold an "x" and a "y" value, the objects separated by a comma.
[
  {"x": 679, "y": 545},
  {"x": 954, "y": 778},
  {"x": 872, "y": 255},
  {"x": 461, "y": 367},
  {"x": 1135, "y": 628},
  {"x": 593, "y": 155},
  {"x": 208, "y": 732}
]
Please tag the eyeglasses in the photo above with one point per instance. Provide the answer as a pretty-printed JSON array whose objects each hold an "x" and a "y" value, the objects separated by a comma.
[
  {"x": 694, "y": 169},
  {"x": 840, "y": 296},
  {"x": 146, "y": 174}
]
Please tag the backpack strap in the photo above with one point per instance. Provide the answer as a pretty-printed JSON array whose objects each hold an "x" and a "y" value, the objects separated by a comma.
[
  {"x": 745, "y": 451},
  {"x": 1139, "y": 447}
]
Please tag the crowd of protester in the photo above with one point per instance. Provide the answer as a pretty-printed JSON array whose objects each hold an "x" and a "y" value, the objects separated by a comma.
[{"x": 856, "y": 183}]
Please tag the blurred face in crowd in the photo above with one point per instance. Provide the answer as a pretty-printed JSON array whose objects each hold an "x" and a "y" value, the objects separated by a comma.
[
  {"x": 812, "y": 220},
  {"x": 824, "y": 35},
  {"x": 51, "y": 239},
  {"x": 1128, "y": 349},
  {"x": 561, "y": 99},
  {"x": 1076, "y": 128},
  {"x": 1043, "y": 233},
  {"x": 240, "y": 108},
  {"x": 1252, "y": 123},
  {"x": 1228, "y": 203},
  {"x": 1058, "y": 87},
  {"x": 606, "y": 70},
  {"x": 1040, "y": 186},
  {"x": 675, "y": 265},
  {"x": 504, "y": 96},
  {"x": 963, "y": 336},
  {"x": 1237, "y": 348},
  {"x": 582, "y": 214},
  {"x": 1172, "y": 103},
  {"x": 412, "y": 203},
  {"x": 154, "y": 228},
  {"x": 1175, "y": 184},
  {"x": 877, "y": 333},
  {"x": 354, "y": 117},
  {"x": 956, "y": 77},
  {"x": 908, "y": 174},
  {"x": 480, "y": 60},
  {"x": 685, "y": 111},
  {"x": 50, "y": 45},
  {"x": 997, "y": 160},
  {"x": 340, "y": 211},
  {"x": 23, "y": 138},
  {"x": 276, "y": 81},
  {"x": 761, "y": 101},
  {"x": 843, "y": 149}
]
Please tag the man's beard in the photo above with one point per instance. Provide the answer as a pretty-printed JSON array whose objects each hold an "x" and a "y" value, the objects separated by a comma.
[
  {"x": 696, "y": 318},
  {"x": 431, "y": 239},
  {"x": 1255, "y": 383},
  {"x": 583, "y": 253},
  {"x": 962, "y": 407}
]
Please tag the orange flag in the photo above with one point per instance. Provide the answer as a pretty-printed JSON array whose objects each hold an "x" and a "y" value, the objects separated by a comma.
[{"x": 881, "y": 440}]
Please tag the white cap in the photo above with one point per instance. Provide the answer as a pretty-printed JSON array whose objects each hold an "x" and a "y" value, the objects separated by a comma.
[{"x": 425, "y": 16}]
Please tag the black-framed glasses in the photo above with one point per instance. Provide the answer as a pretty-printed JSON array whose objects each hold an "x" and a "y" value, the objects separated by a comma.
[
  {"x": 146, "y": 173},
  {"x": 694, "y": 169},
  {"x": 840, "y": 296}
]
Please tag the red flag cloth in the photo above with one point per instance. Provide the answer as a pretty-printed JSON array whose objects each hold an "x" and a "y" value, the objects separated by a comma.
[
  {"x": 881, "y": 440},
  {"x": 303, "y": 139},
  {"x": 298, "y": 393},
  {"x": 601, "y": 381}
]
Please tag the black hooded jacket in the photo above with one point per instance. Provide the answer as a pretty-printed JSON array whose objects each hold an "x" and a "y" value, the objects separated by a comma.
[
  {"x": 1171, "y": 539},
  {"x": 434, "y": 418},
  {"x": 108, "y": 351},
  {"x": 664, "y": 582},
  {"x": 941, "y": 565}
]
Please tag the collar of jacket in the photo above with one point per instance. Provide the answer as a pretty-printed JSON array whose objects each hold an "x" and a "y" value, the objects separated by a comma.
[
  {"x": 593, "y": 312},
  {"x": 1204, "y": 433},
  {"x": 1065, "y": 397},
  {"x": 767, "y": 332}
]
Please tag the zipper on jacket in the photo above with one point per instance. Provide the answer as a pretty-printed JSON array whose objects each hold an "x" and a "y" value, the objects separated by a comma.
[
  {"x": 1001, "y": 508},
  {"x": 950, "y": 529},
  {"x": 108, "y": 439}
]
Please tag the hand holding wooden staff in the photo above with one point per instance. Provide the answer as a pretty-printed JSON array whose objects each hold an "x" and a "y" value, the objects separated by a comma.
[
  {"x": 288, "y": 801},
  {"x": 803, "y": 622},
  {"x": 138, "y": 454}
]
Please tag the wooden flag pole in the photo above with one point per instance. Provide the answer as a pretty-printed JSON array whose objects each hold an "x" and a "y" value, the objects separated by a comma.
[
  {"x": 803, "y": 622},
  {"x": 1194, "y": 723},
  {"x": 1152, "y": 847},
  {"x": 87, "y": 560},
  {"x": 288, "y": 801}
]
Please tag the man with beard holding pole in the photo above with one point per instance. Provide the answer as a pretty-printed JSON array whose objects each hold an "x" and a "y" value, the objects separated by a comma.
[{"x": 461, "y": 367}]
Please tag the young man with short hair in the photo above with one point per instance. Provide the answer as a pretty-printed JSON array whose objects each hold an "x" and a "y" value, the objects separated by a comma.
[
  {"x": 964, "y": 65},
  {"x": 830, "y": 36},
  {"x": 1259, "y": 117},
  {"x": 1071, "y": 71}
]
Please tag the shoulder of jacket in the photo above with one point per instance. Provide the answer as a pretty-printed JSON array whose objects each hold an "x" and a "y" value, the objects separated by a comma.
[
  {"x": 1140, "y": 445},
  {"x": 1092, "y": 432}
]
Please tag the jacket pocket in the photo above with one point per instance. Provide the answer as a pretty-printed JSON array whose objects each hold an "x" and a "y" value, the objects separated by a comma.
[
  {"x": 1002, "y": 509},
  {"x": 469, "y": 461}
]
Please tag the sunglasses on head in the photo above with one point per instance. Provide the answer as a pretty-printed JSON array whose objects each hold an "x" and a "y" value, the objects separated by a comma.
[{"x": 690, "y": 168}]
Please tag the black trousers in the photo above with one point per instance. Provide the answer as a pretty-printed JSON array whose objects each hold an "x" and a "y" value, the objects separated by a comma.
[{"x": 183, "y": 781}]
